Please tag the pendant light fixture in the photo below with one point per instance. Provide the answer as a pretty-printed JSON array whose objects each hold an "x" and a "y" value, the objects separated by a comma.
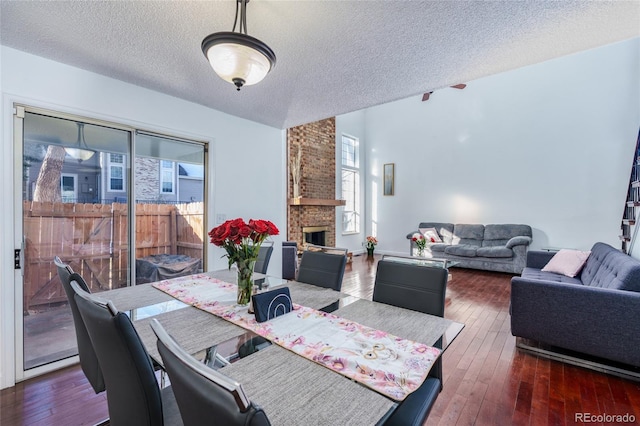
[
  {"x": 80, "y": 151},
  {"x": 236, "y": 56}
]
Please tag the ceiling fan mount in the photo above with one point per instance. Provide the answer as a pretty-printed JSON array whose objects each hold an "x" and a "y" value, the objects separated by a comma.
[{"x": 425, "y": 97}]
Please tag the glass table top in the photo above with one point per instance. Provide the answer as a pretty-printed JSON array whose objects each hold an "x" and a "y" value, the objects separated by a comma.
[{"x": 433, "y": 262}]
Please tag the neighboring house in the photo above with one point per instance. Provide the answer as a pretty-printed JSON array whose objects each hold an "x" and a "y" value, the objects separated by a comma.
[
  {"x": 162, "y": 181},
  {"x": 190, "y": 182},
  {"x": 79, "y": 181},
  {"x": 103, "y": 179}
]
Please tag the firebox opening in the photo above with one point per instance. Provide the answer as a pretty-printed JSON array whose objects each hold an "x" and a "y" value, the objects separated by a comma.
[{"x": 316, "y": 235}]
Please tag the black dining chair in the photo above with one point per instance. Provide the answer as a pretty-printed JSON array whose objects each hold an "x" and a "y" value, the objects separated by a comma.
[
  {"x": 423, "y": 289},
  {"x": 323, "y": 269},
  {"x": 204, "y": 395},
  {"x": 411, "y": 286},
  {"x": 133, "y": 394},
  {"x": 264, "y": 255},
  {"x": 88, "y": 359},
  {"x": 289, "y": 260}
]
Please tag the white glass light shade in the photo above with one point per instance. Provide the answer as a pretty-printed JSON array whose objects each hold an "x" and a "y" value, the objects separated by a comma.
[
  {"x": 238, "y": 58},
  {"x": 80, "y": 151},
  {"x": 232, "y": 61},
  {"x": 79, "y": 154}
]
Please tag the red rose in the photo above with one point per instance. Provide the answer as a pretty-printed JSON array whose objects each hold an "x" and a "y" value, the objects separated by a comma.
[
  {"x": 245, "y": 230},
  {"x": 260, "y": 226},
  {"x": 414, "y": 239},
  {"x": 234, "y": 230},
  {"x": 220, "y": 233},
  {"x": 273, "y": 230}
]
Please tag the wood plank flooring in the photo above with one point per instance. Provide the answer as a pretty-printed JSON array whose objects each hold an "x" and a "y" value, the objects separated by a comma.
[{"x": 488, "y": 381}]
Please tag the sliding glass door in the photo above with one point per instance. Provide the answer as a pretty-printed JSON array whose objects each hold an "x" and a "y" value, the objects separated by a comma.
[
  {"x": 169, "y": 188},
  {"x": 119, "y": 206}
]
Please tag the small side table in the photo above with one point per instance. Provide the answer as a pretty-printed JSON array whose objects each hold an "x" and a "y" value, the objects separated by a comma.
[{"x": 551, "y": 249}]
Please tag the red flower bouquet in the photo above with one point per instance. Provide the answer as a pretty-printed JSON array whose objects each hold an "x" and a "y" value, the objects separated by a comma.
[
  {"x": 420, "y": 241},
  {"x": 242, "y": 243}
]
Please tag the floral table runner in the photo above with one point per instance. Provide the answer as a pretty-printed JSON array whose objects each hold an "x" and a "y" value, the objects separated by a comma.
[{"x": 388, "y": 364}]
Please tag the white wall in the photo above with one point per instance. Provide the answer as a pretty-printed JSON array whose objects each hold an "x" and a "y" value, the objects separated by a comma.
[
  {"x": 247, "y": 159},
  {"x": 549, "y": 145},
  {"x": 351, "y": 124}
]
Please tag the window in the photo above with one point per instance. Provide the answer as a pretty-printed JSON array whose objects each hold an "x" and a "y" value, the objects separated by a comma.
[
  {"x": 68, "y": 189},
  {"x": 350, "y": 185},
  {"x": 116, "y": 172},
  {"x": 166, "y": 177}
]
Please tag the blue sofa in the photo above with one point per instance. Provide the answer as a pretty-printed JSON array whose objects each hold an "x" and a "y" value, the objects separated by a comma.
[{"x": 596, "y": 313}]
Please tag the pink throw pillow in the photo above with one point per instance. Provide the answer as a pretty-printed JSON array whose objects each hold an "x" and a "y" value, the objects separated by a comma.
[{"x": 567, "y": 262}]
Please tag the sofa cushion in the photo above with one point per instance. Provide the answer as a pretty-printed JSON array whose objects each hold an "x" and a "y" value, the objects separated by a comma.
[
  {"x": 537, "y": 274},
  {"x": 468, "y": 234},
  {"x": 445, "y": 230},
  {"x": 499, "y": 235},
  {"x": 438, "y": 247},
  {"x": 610, "y": 268},
  {"x": 567, "y": 262},
  {"x": 462, "y": 250},
  {"x": 494, "y": 252}
]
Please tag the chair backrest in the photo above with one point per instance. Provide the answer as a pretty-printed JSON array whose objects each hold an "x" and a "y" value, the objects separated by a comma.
[
  {"x": 420, "y": 288},
  {"x": 133, "y": 394},
  {"x": 203, "y": 393},
  {"x": 264, "y": 255},
  {"x": 289, "y": 260},
  {"x": 411, "y": 286},
  {"x": 88, "y": 359},
  {"x": 322, "y": 269}
]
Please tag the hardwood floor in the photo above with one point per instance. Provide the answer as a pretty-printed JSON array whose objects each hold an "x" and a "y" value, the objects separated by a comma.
[{"x": 488, "y": 381}]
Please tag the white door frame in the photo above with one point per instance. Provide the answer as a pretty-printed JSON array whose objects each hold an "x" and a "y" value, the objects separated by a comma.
[{"x": 18, "y": 284}]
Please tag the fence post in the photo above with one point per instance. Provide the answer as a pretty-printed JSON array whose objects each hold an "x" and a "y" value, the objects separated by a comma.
[{"x": 173, "y": 230}]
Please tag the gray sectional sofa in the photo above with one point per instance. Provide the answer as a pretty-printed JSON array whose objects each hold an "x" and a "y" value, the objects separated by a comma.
[
  {"x": 596, "y": 313},
  {"x": 501, "y": 248}
]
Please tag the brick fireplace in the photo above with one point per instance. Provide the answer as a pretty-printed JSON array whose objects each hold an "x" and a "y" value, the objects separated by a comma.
[{"x": 315, "y": 208}]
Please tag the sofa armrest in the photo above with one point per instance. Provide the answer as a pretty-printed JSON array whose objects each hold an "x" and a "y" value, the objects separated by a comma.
[
  {"x": 538, "y": 258},
  {"x": 591, "y": 320},
  {"x": 410, "y": 234},
  {"x": 520, "y": 240}
]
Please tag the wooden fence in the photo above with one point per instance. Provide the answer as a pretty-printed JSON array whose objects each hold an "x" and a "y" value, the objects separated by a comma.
[{"x": 93, "y": 239}]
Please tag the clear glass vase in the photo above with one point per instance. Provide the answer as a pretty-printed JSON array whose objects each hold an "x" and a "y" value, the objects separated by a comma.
[{"x": 245, "y": 280}]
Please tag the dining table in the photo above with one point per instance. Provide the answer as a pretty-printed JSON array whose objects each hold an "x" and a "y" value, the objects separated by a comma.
[{"x": 291, "y": 388}]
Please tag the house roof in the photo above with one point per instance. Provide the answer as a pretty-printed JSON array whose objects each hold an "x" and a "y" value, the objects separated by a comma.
[{"x": 333, "y": 57}]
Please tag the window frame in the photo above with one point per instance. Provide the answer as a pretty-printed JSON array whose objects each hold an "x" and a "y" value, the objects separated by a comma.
[
  {"x": 171, "y": 170},
  {"x": 121, "y": 166},
  {"x": 352, "y": 167}
]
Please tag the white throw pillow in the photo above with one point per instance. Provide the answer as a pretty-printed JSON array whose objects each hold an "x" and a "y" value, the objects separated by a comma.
[
  {"x": 431, "y": 235},
  {"x": 567, "y": 262}
]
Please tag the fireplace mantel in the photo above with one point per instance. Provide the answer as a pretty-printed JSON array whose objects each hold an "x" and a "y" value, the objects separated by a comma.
[{"x": 300, "y": 201}]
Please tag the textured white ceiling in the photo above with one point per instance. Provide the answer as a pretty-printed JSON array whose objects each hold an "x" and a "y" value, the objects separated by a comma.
[{"x": 333, "y": 57}]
